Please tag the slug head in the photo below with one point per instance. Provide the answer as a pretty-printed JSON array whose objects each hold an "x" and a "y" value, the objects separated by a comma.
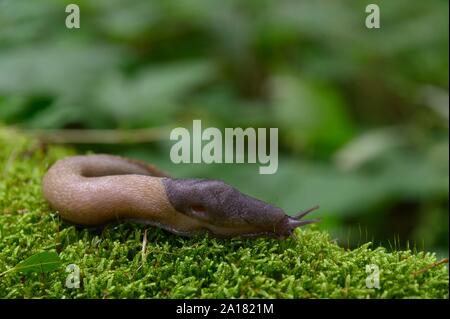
[{"x": 219, "y": 206}]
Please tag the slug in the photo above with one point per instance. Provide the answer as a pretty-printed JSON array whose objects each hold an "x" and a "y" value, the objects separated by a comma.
[{"x": 97, "y": 189}]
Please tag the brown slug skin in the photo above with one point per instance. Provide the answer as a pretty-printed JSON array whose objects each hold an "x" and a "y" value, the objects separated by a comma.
[{"x": 97, "y": 189}]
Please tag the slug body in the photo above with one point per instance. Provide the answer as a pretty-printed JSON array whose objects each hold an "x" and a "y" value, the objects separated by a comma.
[{"x": 97, "y": 189}]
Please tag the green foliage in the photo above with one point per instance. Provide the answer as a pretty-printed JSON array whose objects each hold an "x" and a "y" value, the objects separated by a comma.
[
  {"x": 113, "y": 263},
  {"x": 43, "y": 262}
]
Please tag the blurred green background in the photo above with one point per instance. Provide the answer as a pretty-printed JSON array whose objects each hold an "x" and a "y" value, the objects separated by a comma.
[{"x": 362, "y": 113}]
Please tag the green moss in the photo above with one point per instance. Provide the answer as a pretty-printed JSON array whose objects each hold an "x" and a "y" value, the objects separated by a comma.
[{"x": 113, "y": 265}]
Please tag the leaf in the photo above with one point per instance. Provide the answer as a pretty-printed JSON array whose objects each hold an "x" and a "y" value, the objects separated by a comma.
[
  {"x": 314, "y": 116},
  {"x": 56, "y": 69},
  {"x": 152, "y": 95},
  {"x": 368, "y": 146},
  {"x": 41, "y": 263}
]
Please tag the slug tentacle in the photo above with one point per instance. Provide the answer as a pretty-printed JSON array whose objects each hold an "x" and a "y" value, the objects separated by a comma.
[
  {"x": 297, "y": 223},
  {"x": 303, "y": 213},
  {"x": 96, "y": 189}
]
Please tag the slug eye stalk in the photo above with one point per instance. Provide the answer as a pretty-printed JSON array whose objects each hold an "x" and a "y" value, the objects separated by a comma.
[
  {"x": 295, "y": 219},
  {"x": 305, "y": 212}
]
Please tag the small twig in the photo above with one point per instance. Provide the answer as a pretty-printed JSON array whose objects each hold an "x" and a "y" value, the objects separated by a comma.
[
  {"x": 144, "y": 246},
  {"x": 437, "y": 263},
  {"x": 7, "y": 271},
  {"x": 79, "y": 136}
]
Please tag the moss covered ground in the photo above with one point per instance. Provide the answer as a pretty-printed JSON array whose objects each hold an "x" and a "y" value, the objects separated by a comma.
[{"x": 113, "y": 263}]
